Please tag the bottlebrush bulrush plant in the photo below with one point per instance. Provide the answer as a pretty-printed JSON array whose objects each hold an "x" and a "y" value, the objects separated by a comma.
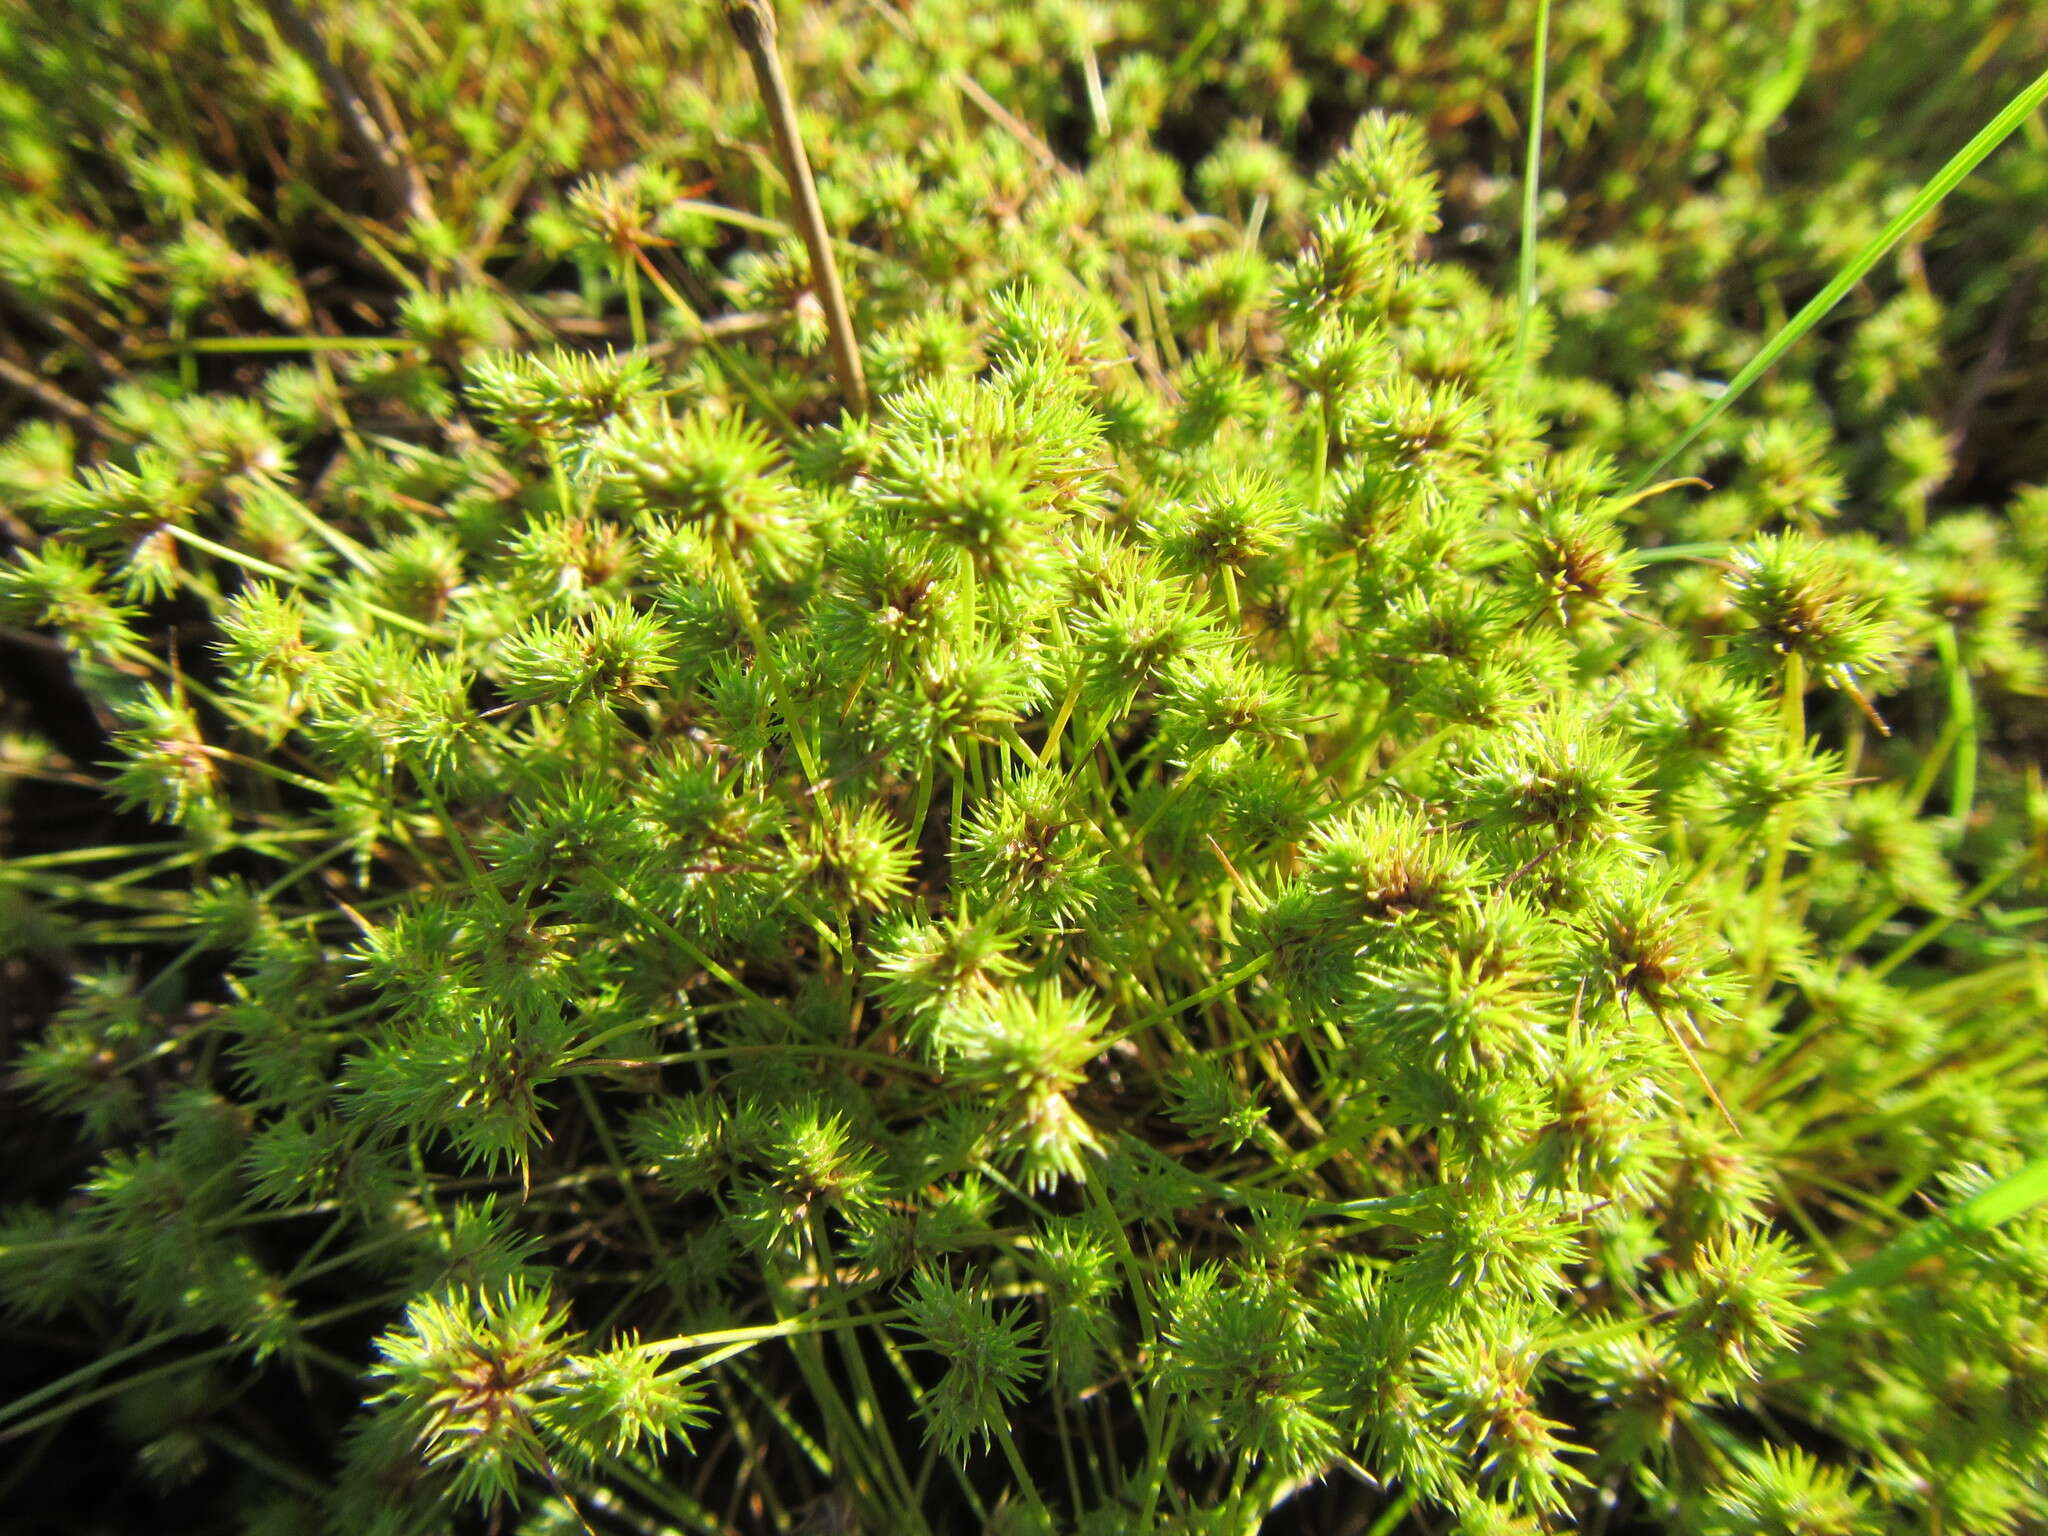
[{"x": 1203, "y": 919}]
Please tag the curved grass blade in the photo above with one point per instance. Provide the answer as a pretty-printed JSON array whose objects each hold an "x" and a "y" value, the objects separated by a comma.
[
  {"x": 1944, "y": 181},
  {"x": 1945, "y": 1231}
]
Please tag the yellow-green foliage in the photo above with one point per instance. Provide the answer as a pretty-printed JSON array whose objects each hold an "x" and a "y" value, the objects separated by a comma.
[{"x": 1201, "y": 920}]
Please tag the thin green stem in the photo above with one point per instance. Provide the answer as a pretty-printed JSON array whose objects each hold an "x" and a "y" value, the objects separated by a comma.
[
  {"x": 291, "y": 578},
  {"x": 753, "y": 22},
  {"x": 629, "y": 272},
  {"x": 1793, "y": 705},
  {"x": 1946, "y": 180}
]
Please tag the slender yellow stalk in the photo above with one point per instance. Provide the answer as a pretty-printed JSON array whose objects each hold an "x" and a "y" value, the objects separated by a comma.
[{"x": 754, "y": 24}]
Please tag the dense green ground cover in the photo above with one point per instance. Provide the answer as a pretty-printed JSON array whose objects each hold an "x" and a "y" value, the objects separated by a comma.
[{"x": 1242, "y": 883}]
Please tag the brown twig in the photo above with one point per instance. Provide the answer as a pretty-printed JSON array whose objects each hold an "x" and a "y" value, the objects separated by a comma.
[
  {"x": 1982, "y": 377},
  {"x": 402, "y": 183},
  {"x": 718, "y": 328},
  {"x": 55, "y": 400},
  {"x": 723, "y": 328},
  {"x": 93, "y": 352},
  {"x": 753, "y": 23},
  {"x": 972, "y": 89}
]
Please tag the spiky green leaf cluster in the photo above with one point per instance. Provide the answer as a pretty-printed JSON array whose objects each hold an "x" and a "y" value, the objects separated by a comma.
[{"x": 1198, "y": 920}]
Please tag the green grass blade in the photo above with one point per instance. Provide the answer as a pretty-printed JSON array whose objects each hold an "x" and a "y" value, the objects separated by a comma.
[
  {"x": 1945, "y": 181},
  {"x": 1945, "y": 1231},
  {"x": 257, "y": 344}
]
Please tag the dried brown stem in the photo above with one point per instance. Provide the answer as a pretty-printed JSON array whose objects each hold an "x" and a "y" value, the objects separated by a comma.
[
  {"x": 400, "y": 179},
  {"x": 972, "y": 89},
  {"x": 1984, "y": 375},
  {"x": 753, "y": 23},
  {"x": 53, "y": 399}
]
